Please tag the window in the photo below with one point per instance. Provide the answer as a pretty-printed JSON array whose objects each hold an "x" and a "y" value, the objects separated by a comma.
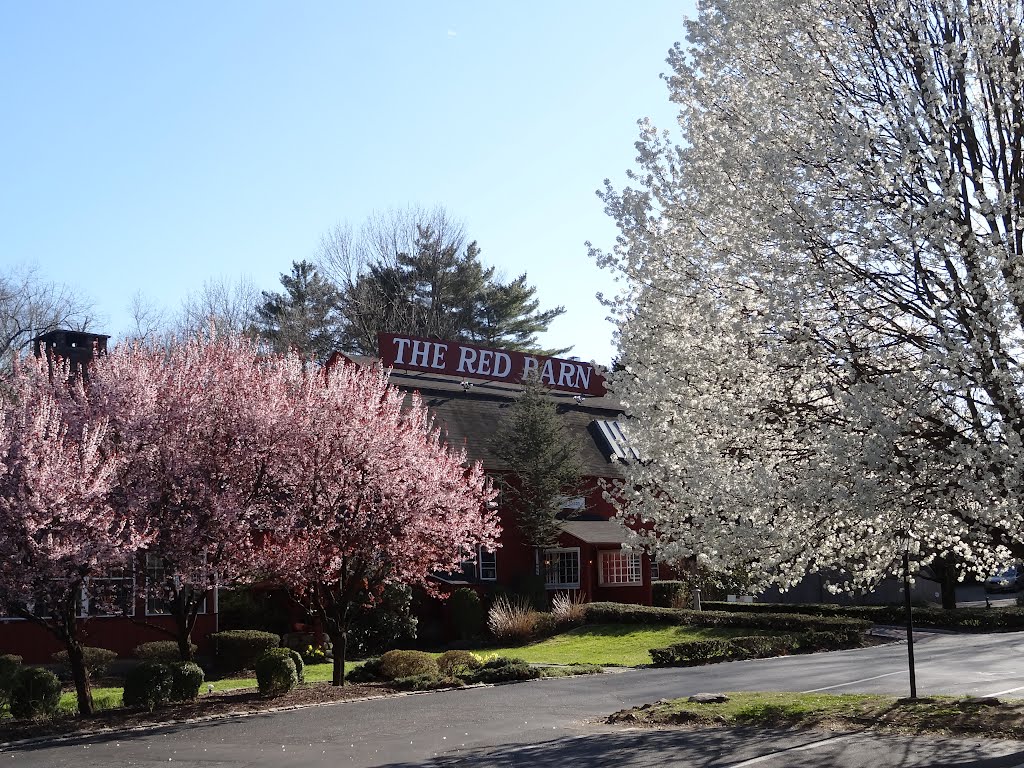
[
  {"x": 655, "y": 571},
  {"x": 112, "y": 593},
  {"x": 619, "y": 568},
  {"x": 562, "y": 568},
  {"x": 618, "y": 447},
  {"x": 488, "y": 565},
  {"x": 158, "y": 586}
]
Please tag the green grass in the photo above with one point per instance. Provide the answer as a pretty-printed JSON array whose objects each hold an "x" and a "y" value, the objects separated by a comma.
[
  {"x": 611, "y": 644},
  {"x": 939, "y": 714},
  {"x": 102, "y": 698}
]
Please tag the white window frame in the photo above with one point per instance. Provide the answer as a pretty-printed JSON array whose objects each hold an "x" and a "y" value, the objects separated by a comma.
[
  {"x": 149, "y": 611},
  {"x": 630, "y": 573},
  {"x": 488, "y": 571},
  {"x": 547, "y": 570},
  {"x": 655, "y": 570},
  {"x": 86, "y": 604}
]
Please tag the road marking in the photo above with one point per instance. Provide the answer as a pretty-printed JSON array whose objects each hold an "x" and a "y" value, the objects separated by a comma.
[
  {"x": 801, "y": 748},
  {"x": 854, "y": 682},
  {"x": 1008, "y": 690}
]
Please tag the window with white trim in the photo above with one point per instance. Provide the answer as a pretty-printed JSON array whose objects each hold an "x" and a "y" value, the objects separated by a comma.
[
  {"x": 562, "y": 568},
  {"x": 488, "y": 565},
  {"x": 157, "y": 586},
  {"x": 112, "y": 593},
  {"x": 620, "y": 568},
  {"x": 655, "y": 570}
]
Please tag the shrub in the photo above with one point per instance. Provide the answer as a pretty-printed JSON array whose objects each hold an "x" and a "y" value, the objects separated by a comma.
[
  {"x": 569, "y": 608},
  {"x": 161, "y": 650},
  {"x": 759, "y": 646},
  {"x": 503, "y": 670},
  {"x": 295, "y": 656},
  {"x": 626, "y": 613},
  {"x": 97, "y": 660},
  {"x": 387, "y": 623},
  {"x": 426, "y": 682},
  {"x": 669, "y": 594},
  {"x": 467, "y": 613},
  {"x": 186, "y": 679},
  {"x": 148, "y": 685},
  {"x": 35, "y": 693},
  {"x": 10, "y": 667},
  {"x": 239, "y": 648},
  {"x": 397, "y": 664},
  {"x": 276, "y": 674},
  {"x": 512, "y": 621},
  {"x": 367, "y": 672},
  {"x": 455, "y": 663},
  {"x": 314, "y": 654}
]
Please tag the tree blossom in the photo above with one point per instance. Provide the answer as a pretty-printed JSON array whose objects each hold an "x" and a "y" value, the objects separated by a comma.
[
  {"x": 376, "y": 498},
  {"x": 821, "y": 331},
  {"x": 60, "y": 523}
]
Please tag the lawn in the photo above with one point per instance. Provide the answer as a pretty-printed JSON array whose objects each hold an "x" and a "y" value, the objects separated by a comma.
[
  {"x": 612, "y": 644},
  {"x": 844, "y": 712}
]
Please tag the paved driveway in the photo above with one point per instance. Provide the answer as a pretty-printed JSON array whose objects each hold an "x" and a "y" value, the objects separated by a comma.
[{"x": 552, "y": 722}]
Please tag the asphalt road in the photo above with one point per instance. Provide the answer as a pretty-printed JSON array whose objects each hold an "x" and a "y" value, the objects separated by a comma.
[{"x": 553, "y": 722}]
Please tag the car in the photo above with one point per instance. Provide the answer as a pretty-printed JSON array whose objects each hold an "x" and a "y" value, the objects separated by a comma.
[{"x": 1007, "y": 580}]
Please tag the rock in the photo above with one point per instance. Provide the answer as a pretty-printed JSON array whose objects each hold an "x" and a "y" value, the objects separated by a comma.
[{"x": 708, "y": 698}]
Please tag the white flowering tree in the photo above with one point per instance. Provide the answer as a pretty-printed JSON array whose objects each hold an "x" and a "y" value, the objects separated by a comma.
[{"x": 821, "y": 329}]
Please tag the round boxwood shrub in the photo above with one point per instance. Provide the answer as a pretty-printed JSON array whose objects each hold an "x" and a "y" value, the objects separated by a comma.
[
  {"x": 161, "y": 650},
  {"x": 276, "y": 674},
  {"x": 295, "y": 656},
  {"x": 239, "y": 648},
  {"x": 186, "y": 679},
  {"x": 148, "y": 685},
  {"x": 96, "y": 660},
  {"x": 396, "y": 664},
  {"x": 36, "y": 693}
]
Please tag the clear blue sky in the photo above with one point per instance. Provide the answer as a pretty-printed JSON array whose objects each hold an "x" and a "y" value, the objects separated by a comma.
[{"x": 151, "y": 146}]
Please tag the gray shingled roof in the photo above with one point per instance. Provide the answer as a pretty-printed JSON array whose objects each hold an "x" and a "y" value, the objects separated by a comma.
[
  {"x": 470, "y": 417},
  {"x": 596, "y": 531}
]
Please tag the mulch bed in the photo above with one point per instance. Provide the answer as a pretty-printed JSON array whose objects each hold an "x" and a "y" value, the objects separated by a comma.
[{"x": 224, "y": 704}]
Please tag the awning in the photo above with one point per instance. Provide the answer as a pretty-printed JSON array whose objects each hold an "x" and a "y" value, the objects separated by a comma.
[{"x": 596, "y": 531}]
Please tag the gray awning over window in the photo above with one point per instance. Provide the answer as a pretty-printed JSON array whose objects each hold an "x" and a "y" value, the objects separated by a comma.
[{"x": 596, "y": 531}]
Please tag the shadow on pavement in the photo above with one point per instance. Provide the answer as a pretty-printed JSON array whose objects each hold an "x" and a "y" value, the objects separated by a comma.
[{"x": 728, "y": 747}]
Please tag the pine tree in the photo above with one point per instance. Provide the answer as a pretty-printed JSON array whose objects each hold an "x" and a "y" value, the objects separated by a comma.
[
  {"x": 543, "y": 464},
  {"x": 305, "y": 317}
]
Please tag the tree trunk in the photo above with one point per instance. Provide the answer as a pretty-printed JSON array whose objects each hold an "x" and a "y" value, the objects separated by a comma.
[
  {"x": 184, "y": 621},
  {"x": 79, "y": 673},
  {"x": 945, "y": 574},
  {"x": 340, "y": 642}
]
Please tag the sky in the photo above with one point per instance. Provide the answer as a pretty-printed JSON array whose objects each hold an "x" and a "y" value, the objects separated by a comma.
[{"x": 150, "y": 147}]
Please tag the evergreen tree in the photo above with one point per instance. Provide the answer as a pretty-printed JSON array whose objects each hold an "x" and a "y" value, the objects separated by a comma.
[
  {"x": 304, "y": 317},
  {"x": 412, "y": 273},
  {"x": 542, "y": 460}
]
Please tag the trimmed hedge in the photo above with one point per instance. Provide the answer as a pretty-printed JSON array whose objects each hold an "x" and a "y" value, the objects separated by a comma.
[
  {"x": 240, "y": 648},
  {"x": 699, "y": 652},
  {"x": 625, "y": 613},
  {"x": 96, "y": 660},
  {"x": 161, "y": 650},
  {"x": 367, "y": 672},
  {"x": 964, "y": 619},
  {"x": 36, "y": 693},
  {"x": 148, "y": 685},
  {"x": 276, "y": 674},
  {"x": 186, "y": 679},
  {"x": 502, "y": 670},
  {"x": 398, "y": 664}
]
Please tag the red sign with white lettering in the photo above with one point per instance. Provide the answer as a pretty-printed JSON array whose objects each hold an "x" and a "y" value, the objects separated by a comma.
[{"x": 456, "y": 358}]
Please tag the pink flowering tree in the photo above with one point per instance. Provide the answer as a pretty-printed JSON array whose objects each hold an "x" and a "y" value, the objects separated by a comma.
[
  {"x": 377, "y": 498},
  {"x": 211, "y": 427},
  {"x": 60, "y": 525}
]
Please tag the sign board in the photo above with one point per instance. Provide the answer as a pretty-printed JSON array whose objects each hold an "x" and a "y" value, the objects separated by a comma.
[{"x": 456, "y": 358}]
